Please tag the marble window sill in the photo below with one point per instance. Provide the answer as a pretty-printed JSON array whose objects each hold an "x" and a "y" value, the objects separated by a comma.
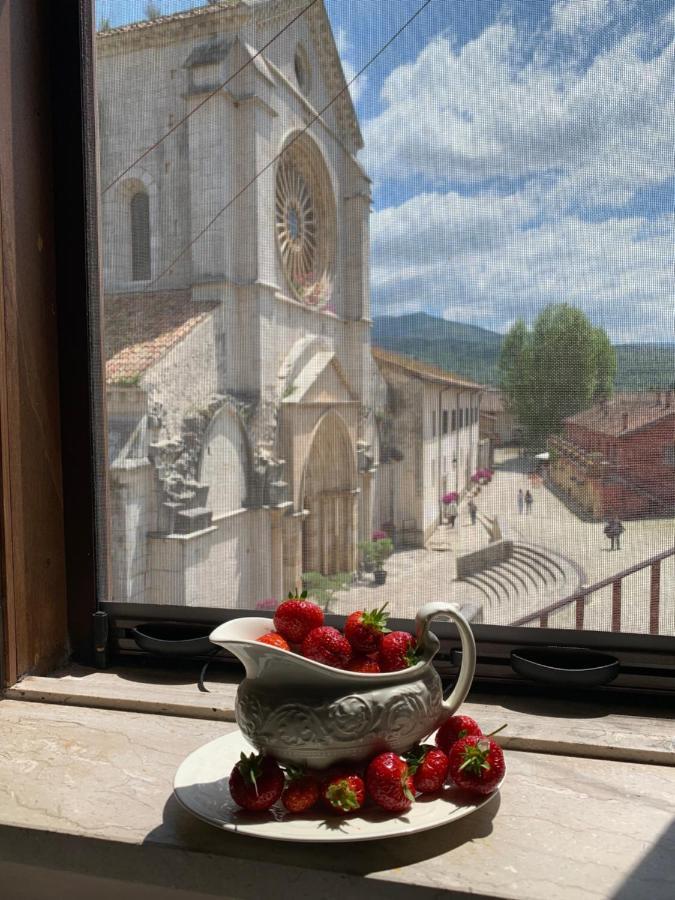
[
  {"x": 86, "y": 809},
  {"x": 632, "y": 733}
]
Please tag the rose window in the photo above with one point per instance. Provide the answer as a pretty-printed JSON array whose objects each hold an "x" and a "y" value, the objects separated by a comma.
[{"x": 304, "y": 225}]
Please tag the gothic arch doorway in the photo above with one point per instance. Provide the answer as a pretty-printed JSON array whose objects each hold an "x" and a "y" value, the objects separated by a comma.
[{"x": 329, "y": 496}]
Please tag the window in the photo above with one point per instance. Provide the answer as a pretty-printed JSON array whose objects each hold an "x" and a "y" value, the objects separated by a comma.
[
  {"x": 301, "y": 67},
  {"x": 445, "y": 421},
  {"x": 248, "y": 402},
  {"x": 139, "y": 213}
]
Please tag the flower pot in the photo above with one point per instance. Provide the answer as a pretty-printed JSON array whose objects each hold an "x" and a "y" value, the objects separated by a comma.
[
  {"x": 380, "y": 576},
  {"x": 305, "y": 713}
]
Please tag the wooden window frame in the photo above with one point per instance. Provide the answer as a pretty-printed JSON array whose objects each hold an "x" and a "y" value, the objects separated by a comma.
[{"x": 48, "y": 227}]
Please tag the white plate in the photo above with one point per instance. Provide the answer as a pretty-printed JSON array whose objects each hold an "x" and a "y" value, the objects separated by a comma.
[{"x": 201, "y": 786}]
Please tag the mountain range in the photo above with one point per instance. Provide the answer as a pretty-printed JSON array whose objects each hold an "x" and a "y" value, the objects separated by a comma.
[{"x": 473, "y": 352}]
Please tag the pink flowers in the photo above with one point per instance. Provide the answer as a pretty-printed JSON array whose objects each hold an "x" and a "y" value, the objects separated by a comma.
[
  {"x": 451, "y": 497},
  {"x": 482, "y": 476},
  {"x": 379, "y": 535}
]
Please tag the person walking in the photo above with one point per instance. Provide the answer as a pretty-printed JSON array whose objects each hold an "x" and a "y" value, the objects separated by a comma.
[
  {"x": 529, "y": 500},
  {"x": 473, "y": 510},
  {"x": 521, "y": 501},
  {"x": 452, "y": 513},
  {"x": 614, "y": 529}
]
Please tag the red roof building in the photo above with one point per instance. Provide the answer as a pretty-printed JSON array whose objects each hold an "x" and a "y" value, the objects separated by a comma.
[{"x": 618, "y": 457}]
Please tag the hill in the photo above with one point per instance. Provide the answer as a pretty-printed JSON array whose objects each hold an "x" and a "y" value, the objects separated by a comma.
[
  {"x": 464, "y": 349},
  {"x": 473, "y": 352}
]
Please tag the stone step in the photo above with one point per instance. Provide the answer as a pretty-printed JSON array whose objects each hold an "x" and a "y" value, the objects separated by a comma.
[{"x": 195, "y": 519}]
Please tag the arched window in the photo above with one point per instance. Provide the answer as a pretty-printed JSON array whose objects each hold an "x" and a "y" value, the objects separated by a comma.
[{"x": 140, "y": 237}]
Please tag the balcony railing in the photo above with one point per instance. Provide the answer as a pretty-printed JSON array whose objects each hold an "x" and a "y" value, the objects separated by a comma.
[{"x": 579, "y": 598}]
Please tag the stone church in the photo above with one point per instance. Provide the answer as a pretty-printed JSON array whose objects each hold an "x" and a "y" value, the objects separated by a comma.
[{"x": 240, "y": 383}]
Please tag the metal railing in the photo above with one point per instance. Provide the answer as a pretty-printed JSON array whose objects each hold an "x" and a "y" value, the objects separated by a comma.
[{"x": 579, "y": 598}]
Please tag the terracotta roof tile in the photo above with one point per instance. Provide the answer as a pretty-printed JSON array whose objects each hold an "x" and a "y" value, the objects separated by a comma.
[
  {"x": 140, "y": 328},
  {"x": 625, "y": 413},
  {"x": 423, "y": 370}
]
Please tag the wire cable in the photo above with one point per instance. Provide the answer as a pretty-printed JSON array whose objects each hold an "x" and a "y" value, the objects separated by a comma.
[
  {"x": 296, "y": 137},
  {"x": 206, "y": 99}
]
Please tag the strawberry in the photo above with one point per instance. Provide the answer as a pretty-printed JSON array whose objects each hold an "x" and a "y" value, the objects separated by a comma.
[
  {"x": 256, "y": 782},
  {"x": 274, "y": 640},
  {"x": 344, "y": 793},
  {"x": 429, "y": 768},
  {"x": 453, "y": 729},
  {"x": 326, "y": 645},
  {"x": 366, "y": 664},
  {"x": 296, "y": 617},
  {"x": 397, "y": 651},
  {"x": 389, "y": 783},
  {"x": 477, "y": 764},
  {"x": 302, "y": 791},
  {"x": 364, "y": 630}
]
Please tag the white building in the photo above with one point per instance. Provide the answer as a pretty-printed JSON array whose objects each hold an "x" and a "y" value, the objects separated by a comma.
[
  {"x": 238, "y": 367},
  {"x": 429, "y": 444}
]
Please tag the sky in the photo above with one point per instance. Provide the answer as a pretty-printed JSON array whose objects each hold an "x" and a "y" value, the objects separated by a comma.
[{"x": 522, "y": 152}]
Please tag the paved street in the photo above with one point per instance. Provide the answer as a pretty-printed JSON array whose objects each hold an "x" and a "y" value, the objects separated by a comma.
[{"x": 416, "y": 576}]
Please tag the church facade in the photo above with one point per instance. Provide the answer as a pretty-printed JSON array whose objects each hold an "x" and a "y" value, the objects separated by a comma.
[{"x": 240, "y": 383}]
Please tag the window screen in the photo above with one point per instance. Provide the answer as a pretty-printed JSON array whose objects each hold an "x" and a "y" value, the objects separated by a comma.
[{"x": 324, "y": 224}]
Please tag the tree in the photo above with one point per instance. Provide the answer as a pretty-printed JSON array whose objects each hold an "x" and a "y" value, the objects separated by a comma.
[
  {"x": 514, "y": 368},
  {"x": 554, "y": 371},
  {"x": 152, "y": 10},
  {"x": 605, "y": 361},
  {"x": 104, "y": 25}
]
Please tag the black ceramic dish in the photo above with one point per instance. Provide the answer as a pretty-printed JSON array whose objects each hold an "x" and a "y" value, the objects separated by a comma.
[
  {"x": 565, "y": 666},
  {"x": 169, "y": 639}
]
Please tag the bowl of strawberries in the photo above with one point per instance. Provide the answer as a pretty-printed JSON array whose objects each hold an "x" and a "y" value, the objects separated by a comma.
[{"x": 315, "y": 697}]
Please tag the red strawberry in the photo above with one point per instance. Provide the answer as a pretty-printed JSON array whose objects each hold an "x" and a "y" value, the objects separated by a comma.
[
  {"x": 429, "y": 767},
  {"x": 477, "y": 764},
  {"x": 365, "y": 664},
  {"x": 344, "y": 793},
  {"x": 453, "y": 729},
  {"x": 326, "y": 645},
  {"x": 397, "y": 651},
  {"x": 295, "y": 618},
  {"x": 364, "y": 630},
  {"x": 256, "y": 782},
  {"x": 274, "y": 640},
  {"x": 301, "y": 792},
  {"x": 389, "y": 783}
]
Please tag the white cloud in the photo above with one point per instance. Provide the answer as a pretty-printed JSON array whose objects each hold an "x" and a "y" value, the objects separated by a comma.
[
  {"x": 344, "y": 49},
  {"x": 570, "y": 137},
  {"x": 470, "y": 259},
  {"x": 571, "y": 16},
  {"x": 496, "y": 116}
]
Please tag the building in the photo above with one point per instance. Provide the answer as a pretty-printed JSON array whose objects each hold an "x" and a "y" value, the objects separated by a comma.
[
  {"x": 429, "y": 444},
  {"x": 237, "y": 324},
  {"x": 497, "y": 422},
  {"x": 618, "y": 457}
]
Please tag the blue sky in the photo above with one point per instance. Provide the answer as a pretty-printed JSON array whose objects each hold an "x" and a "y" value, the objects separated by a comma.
[{"x": 522, "y": 152}]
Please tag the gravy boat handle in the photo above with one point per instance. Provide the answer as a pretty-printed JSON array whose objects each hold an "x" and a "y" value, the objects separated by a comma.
[{"x": 466, "y": 671}]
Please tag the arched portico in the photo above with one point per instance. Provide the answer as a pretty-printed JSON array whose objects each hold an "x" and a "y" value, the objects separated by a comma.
[{"x": 329, "y": 496}]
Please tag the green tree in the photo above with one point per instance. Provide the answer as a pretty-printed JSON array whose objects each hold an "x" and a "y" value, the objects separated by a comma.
[
  {"x": 515, "y": 370},
  {"x": 152, "y": 10},
  {"x": 555, "y": 370},
  {"x": 605, "y": 365}
]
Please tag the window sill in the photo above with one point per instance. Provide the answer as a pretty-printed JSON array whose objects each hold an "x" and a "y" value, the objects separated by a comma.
[
  {"x": 86, "y": 802},
  {"x": 623, "y": 732}
]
